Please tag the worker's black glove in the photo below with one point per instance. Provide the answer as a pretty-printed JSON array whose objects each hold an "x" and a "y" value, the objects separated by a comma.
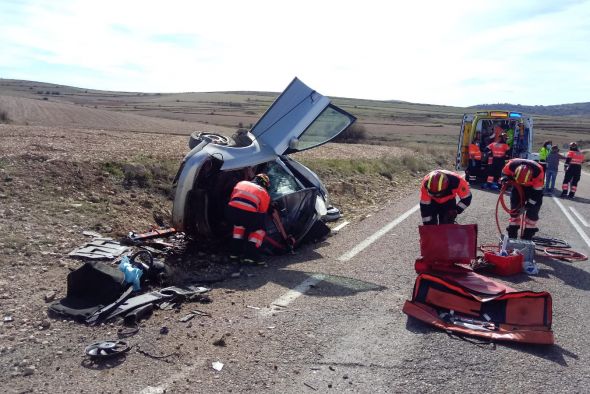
[
  {"x": 504, "y": 180},
  {"x": 565, "y": 167},
  {"x": 451, "y": 216}
]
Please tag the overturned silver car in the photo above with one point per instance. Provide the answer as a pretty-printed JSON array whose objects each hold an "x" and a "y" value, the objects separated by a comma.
[{"x": 299, "y": 119}]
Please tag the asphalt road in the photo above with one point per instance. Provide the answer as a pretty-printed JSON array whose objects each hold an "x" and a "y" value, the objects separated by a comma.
[
  {"x": 339, "y": 325},
  {"x": 347, "y": 333}
]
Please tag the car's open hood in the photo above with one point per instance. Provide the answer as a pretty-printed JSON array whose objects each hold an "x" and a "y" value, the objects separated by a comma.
[{"x": 299, "y": 119}]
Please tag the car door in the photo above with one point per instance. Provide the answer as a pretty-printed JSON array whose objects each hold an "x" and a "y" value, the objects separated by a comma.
[
  {"x": 464, "y": 141},
  {"x": 297, "y": 214},
  {"x": 299, "y": 119}
]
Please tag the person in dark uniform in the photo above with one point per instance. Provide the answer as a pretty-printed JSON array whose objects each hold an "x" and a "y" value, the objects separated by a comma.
[
  {"x": 438, "y": 193},
  {"x": 573, "y": 170},
  {"x": 246, "y": 210},
  {"x": 527, "y": 194}
]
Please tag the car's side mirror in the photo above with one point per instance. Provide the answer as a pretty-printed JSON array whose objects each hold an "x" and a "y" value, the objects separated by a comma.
[{"x": 294, "y": 144}]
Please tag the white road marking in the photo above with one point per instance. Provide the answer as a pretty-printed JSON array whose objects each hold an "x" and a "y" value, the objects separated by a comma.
[
  {"x": 367, "y": 242},
  {"x": 572, "y": 221},
  {"x": 290, "y": 296},
  {"x": 340, "y": 226},
  {"x": 177, "y": 376},
  {"x": 580, "y": 217}
]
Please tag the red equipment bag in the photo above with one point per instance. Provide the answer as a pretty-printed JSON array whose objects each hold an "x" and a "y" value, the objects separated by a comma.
[
  {"x": 472, "y": 304},
  {"x": 446, "y": 245},
  {"x": 449, "y": 295}
]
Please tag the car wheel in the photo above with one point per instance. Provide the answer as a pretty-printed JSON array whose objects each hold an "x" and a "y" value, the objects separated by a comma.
[{"x": 198, "y": 136}]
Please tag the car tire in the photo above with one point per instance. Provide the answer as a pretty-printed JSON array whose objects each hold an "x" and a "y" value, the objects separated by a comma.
[{"x": 198, "y": 136}]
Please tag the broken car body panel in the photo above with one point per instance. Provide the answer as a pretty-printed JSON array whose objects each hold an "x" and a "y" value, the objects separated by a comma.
[{"x": 299, "y": 119}]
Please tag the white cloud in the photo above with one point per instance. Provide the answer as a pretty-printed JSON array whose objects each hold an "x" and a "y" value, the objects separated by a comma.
[{"x": 456, "y": 53}]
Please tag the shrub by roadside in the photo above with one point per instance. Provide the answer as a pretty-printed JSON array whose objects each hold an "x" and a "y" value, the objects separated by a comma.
[
  {"x": 354, "y": 134},
  {"x": 4, "y": 117}
]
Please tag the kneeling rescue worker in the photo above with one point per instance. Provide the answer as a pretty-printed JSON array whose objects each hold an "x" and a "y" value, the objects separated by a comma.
[
  {"x": 528, "y": 177},
  {"x": 438, "y": 194},
  {"x": 247, "y": 208},
  {"x": 573, "y": 170}
]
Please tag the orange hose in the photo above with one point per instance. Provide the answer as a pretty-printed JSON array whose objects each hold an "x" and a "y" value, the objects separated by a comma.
[
  {"x": 563, "y": 254},
  {"x": 505, "y": 207}
]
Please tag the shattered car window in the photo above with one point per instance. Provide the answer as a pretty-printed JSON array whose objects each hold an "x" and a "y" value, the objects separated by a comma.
[
  {"x": 324, "y": 128},
  {"x": 281, "y": 181}
]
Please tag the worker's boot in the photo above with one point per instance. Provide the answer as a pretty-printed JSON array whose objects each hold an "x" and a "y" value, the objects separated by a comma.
[
  {"x": 512, "y": 231},
  {"x": 563, "y": 193},
  {"x": 236, "y": 248},
  {"x": 528, "y": 233},
  {"x": 571, "y": 195},
  {"x": 252, "y": 255}
]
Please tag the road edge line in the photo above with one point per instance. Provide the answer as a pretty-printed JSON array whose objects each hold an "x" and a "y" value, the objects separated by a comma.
[
  {"x": 572, "y": 221},
  {"x": 384, "y": 230},
  {"x": 579, "y": 216}
]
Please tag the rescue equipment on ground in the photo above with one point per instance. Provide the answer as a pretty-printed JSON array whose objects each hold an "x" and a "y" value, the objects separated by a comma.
[
  {"x": 134, "y": 238},
  {"x": 504, "y": 265},
  {"x": 449, "y": 295},
  {"x": 558, "y": 249}
]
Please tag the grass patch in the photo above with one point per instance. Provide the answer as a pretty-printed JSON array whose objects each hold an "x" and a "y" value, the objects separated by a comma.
[
  {"x": 386, "y": 167},
  {"x": 144, "y": 171},
  {"x": 115, "y": 169}
]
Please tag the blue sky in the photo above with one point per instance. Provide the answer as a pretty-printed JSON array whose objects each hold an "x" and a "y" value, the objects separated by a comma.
[{"x": 532, "y": 52}]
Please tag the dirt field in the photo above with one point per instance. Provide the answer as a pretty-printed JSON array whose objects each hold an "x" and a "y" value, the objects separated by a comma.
[
  {"x": 92, "y": 161},
  {"x": 55, "y": 184}
]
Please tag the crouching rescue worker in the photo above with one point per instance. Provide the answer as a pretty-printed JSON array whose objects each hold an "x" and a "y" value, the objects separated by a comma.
[
  {"x": 527, "y": 194},
  {"x": 573, "y": 170},
  {"x": 438, "y": 194},
  {"x": 246, "y": 210}
]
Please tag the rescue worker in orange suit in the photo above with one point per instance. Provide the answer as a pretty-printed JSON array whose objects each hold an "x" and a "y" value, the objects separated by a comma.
[
  {"x": 498, "y": 130},
  {"x": 573, "y": 169},
  {"x": 247, "y": 208},
  {"x": 474, "y": 168},
  {"x": 528, "y": 175},
  {"x": 496, "y": 161},
  {"x": 438, "y": 204}
]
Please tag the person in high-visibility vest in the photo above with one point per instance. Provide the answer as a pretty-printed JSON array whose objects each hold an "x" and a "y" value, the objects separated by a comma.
[
  {"x": 543, "y": 153},
  {"x": 474, "y": 168},
  {"x": 498, "y": 130},
  {"x": 247, "y": 208},
  {"x": 496, "y": 161},
  {"x": 510, "y": 136},
  {"x": 573, "y": 169},
  {"x": 438, "y": 193},
  {"x": 528, "y": 176}
]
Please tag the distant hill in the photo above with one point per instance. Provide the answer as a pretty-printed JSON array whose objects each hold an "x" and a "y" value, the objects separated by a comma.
[{"x": 576, "y": 109}]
